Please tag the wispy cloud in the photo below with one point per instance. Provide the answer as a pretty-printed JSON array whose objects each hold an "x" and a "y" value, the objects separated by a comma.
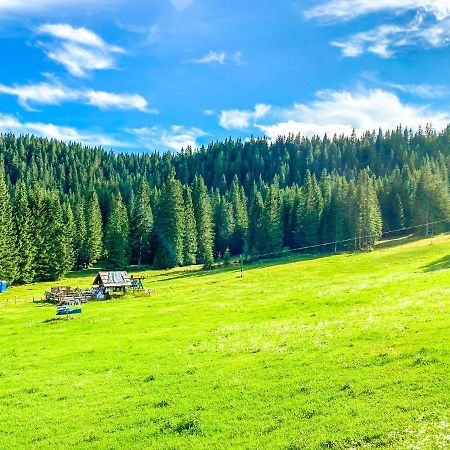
[
  {"x": 386, "y": 40},
  {"x": 338, "y": 112},
  {"x": 9, "y": 123},
  {"x": 236, "y": 119},
  {"x": 157, "y": 138},
  {"x": 211, "y": 57},
  {"x": 54, "y": 93},
  {"x": 35, "y": 6},
  {"x": 110, "y": 100},
  {"x": 79, "y": 50},
  {"x": 219, "y": 58},
  {"x": 349, "y": 9},
  {"x": 429, "y": 29},
  {"x": 425, "y": 91}
]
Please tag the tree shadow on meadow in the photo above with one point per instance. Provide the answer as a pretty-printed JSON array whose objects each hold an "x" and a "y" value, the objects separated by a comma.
[
  {"x": 440, "y": 264},
  {"x": 235, "y": 267}
]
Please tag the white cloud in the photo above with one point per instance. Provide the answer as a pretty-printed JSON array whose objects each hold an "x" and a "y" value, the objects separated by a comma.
[
  {"x": 429, "y": 29},
  {"x": 335, "y": 112},
  {"x": 11, "y": 124},
  {"x": 236, "y": 119},
  {"x": 157, "y": 138},
  {"x": 40, "y": 93},
  {"x": 211, "y": 57},
  {"x": 220, "y": 58},
  {"x": 110, "y": 100},
  {"x": 32, "y": 6},
  {"x": 426, "y": 91},
  {"x": 79, "y": 50},
  {"x": 386, "y": 40},
  {"x": 349, "y": 9},
  {"x": 55, "y": 93},
  {"x": 342, "y": 111}
]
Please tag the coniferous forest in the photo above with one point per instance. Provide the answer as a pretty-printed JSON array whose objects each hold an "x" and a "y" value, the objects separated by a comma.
[{"x": 65, "y": 206}]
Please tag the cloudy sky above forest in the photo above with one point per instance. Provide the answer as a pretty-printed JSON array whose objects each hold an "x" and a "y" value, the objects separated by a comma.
[{"x": 145, "y": 75}]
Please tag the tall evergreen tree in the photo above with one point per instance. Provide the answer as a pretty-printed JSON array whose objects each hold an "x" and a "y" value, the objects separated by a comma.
[
  {"x": 8, "y": 255},
  {"x": 25, "y": 242},
  {"x": 223, "y": 225},
  {"x": 190, "y": 245},
  {"x": 203, "y": 220},
  {"x": 369, "y": 225},
  {"x": 169, "y": 225},
  {"x": 94, "y": 229},
  {"x": 51, "y": 257},
  {"x": 117, "y": 235},
  {"x": 142, "y": 225},
  {"x": 69, "y": 238},
  {"x": 240, "y": 215},
  {"x": 80, "y": 240}
]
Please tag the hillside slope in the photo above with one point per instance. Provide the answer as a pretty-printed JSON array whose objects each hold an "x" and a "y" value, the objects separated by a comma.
[{"x": 347, "y": 351}]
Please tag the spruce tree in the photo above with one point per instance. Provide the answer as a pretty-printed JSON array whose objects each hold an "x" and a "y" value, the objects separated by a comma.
[
  {"x": 190, "y": 245},
  {"x": 80, "y": 241},
  {"x": 69, "y": 238},
  {"x": 432, "y": 200},
  {"x": 203, "y": 220},
  {"x": 8, "y": 256},
  {"x": 256, "y": 243},
  {"x": 25, "y": 243},
  {"x": 169, "y": 224},
  {"x": 240, "y": 216},
  {"x": 94, "y": 230},
  {"x": 117, "y": 245},
  {"x": 51, "y": 257},
  {"x": 313, "y": 210},
  {"x": 141, "y": 227},
  {"x": 369, "y": 222},
  {"x": 223, "y": 225},
  {"x": 271, "y": 221}
]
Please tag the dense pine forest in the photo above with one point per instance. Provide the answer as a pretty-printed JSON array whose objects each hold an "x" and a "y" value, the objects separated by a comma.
[{"x": 65, "y": 206}]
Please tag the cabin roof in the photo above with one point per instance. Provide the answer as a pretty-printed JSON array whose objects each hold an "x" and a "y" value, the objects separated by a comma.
[{"x": 112, "y": 279}]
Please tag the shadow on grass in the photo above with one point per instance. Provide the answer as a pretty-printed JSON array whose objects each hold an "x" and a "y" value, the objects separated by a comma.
[
  {"x": 53, "y": 320},
  {"x": 440, "y": 264},
  {"x": 235, "y": 267}
]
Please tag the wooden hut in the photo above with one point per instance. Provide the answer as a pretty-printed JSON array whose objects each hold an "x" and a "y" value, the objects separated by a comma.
[{"x": 114, "y": 281}]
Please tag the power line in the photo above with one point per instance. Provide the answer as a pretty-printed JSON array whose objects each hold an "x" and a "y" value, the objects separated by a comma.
[{"x": 309, "y": 247}]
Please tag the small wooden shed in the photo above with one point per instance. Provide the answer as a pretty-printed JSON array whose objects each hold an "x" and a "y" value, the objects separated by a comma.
[{"x": 113, "y": 281}]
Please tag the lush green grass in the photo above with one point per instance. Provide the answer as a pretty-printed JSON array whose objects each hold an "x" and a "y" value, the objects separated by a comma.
[{"x": 347, "y": 351}]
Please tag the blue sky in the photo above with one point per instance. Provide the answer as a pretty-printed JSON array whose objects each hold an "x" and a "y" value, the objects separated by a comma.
[{"x": 145, "y": 75}]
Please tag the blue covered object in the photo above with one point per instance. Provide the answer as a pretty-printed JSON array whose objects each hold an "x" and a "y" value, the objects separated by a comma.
[
  {"x": 3, "y": 286},
  {"x": 65, "y": 311}
]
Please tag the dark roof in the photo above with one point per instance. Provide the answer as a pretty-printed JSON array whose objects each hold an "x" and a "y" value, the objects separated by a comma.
[{"x": 112, "y": 279}]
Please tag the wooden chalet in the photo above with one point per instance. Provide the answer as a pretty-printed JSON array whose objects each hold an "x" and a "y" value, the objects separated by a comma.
[{"x": 113, "y": 281}]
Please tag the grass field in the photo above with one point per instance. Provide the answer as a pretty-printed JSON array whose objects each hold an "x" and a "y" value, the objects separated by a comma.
[{"x": 346, "y": 351}]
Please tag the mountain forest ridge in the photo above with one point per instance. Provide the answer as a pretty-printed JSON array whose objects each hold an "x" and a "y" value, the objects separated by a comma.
[{"x": 66, "y": 206}]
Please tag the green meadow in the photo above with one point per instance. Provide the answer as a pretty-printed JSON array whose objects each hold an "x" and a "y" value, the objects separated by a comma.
[{"x": 343, "y": 351}]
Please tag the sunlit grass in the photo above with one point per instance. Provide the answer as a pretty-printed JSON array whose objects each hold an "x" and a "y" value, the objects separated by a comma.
[{"x": 335, "y": 352}]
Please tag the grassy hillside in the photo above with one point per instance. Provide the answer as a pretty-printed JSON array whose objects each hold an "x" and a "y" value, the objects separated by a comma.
[{"x": 347, "y": 351}]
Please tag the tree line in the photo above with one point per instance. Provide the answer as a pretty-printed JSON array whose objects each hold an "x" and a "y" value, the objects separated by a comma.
[{"x": 64, "y": 206}]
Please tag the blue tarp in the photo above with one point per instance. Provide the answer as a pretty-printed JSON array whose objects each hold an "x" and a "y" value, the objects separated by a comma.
[
  {"x": 3, "y": 286},
  {"x": 64, "y": 311}
]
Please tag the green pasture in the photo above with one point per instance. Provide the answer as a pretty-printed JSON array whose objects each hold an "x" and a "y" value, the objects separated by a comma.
[{"x": 344, "y": 351}]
